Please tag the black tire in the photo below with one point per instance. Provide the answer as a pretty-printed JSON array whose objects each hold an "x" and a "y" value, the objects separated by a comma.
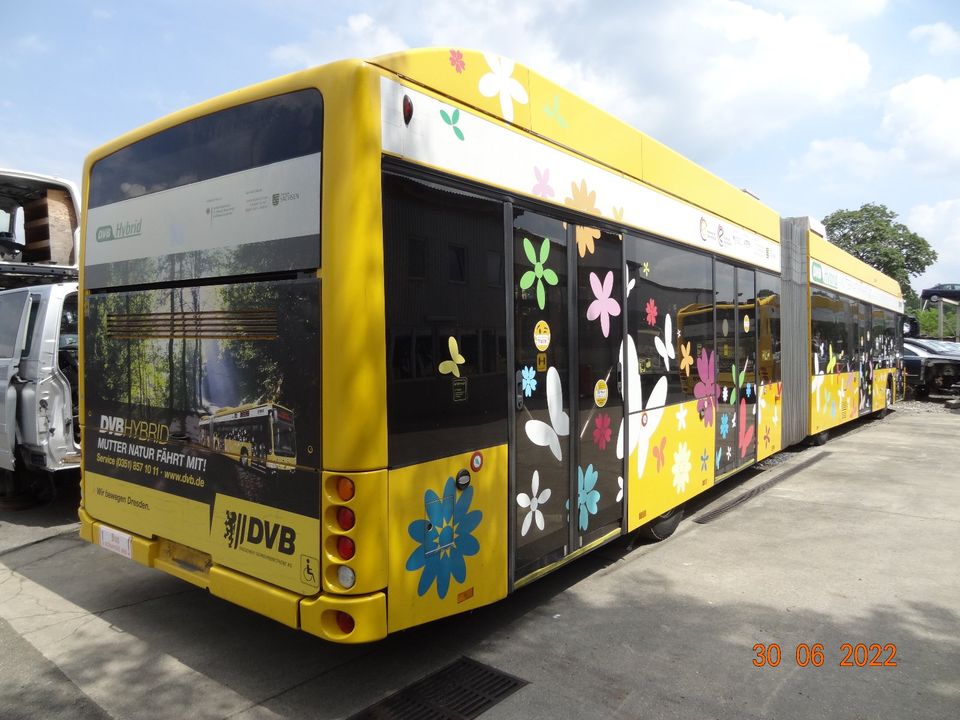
[
  {"x": 920, "y": 392},
  {"x": 887, "y": 401},
  {"x": 662, "y": 527},
  {"x": 820, "y": 438}
]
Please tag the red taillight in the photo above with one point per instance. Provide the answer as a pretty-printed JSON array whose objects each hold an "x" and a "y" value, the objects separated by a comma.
[
  {"x": 345, "y": 488},
  {"x": 346, "y": 518},
  {"x": 407, "y": 109},
  {"x": 345, "y": 622},
  {"x": 346, "y": 547}
]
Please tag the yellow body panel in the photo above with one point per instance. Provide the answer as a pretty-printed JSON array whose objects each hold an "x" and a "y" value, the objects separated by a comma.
[
  {"x": 369, "y": 612},
  {"x": 769, "y": 420},
  {"x": 881, "y": 377},
  {"x": 422, "y": 588},
  {"x": 353, "y": 344},
  {"x": 541, "y": 106},
  {"x": 829, "y": 254},
  {"x": 834, "y": 400},
  {"x": 686, "y": 469}
]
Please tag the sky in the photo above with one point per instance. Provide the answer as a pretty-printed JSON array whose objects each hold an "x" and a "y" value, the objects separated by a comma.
[{"x": 811, "y": 105}]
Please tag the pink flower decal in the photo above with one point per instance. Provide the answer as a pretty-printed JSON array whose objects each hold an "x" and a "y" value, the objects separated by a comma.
[
  {"x": 706, "y": 389},
  {"x": 601, "y": 430},
  {"x": 456, "y": 59},
  {"x": 746, "y": 433},
  {"x": 651, "y": 312},
  {"x": 542, "y": 188},
  {"x": 604, "y": 306}
]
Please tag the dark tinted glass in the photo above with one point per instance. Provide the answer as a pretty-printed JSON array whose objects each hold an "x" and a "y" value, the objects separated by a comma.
[
  {"x": 447, "y": 383},
  {"x": 828, "y": 330},
  {"x": 239, "y": 138},
  {"x": 768, "y": 317},
  {"x": 675, "y": 283}
]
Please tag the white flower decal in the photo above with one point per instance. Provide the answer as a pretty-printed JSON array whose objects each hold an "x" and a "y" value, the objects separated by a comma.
[
  {"x": 499, "y": 82},
  {"x": 542, "y": 434},
  {"x": 643, "y": 420},
  {"x": 620, "y": 491},
  {"x": 681, "y": 468},
  {"x": 532, "y": 502},
  {"x": 682, "y": 418}
]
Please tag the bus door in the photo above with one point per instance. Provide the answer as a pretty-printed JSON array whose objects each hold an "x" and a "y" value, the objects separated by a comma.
[
  {"x": 567, "y": 313},
  {"x": 736, "y": 333}
]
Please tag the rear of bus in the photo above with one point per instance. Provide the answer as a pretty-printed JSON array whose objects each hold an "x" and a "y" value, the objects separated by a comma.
[
  {"x": 201, "y": 280},
  {"x": 233, "y": 261}
]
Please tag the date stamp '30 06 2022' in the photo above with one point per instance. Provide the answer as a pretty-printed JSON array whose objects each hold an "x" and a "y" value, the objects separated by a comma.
[{"x": 872, "y": 655}]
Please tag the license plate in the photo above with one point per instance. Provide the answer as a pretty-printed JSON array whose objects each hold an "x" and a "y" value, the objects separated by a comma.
[{"x": 119, "y": 542}]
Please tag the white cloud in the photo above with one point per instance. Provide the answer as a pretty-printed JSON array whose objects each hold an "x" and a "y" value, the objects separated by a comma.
[
  {"x": 833, "y": 13},
  {"x": 837, "y": 161},
  {"x": 361, "y": 36},
  {"x": 941, "y": 39},
  {"x": 921, "y": 118},
  {"x": 765, "y": 71},
  {"x": 939, "y": 223}
]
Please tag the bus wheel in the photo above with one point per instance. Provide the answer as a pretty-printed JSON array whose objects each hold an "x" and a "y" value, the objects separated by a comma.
[
  {"x": 887, "y": 401},
  {"x": 820, "y": 438},
  {"x": 662, "y": 527}
]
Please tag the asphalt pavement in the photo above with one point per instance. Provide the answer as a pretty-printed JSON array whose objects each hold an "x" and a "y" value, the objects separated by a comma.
[{"x": 855, "y": 543}]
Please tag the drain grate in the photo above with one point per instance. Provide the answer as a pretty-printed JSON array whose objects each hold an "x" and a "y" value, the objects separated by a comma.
[
  {"x": 460, "y": 691},
  {"x": 753, "y": 492}
]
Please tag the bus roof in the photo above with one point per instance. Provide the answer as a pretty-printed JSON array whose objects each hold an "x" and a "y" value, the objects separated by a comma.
[
  {"x": 826, "y": 252},
  {"x": 558, "y": 115}
]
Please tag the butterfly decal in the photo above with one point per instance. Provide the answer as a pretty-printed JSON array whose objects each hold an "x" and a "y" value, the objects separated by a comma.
[
  {"x": 452, "y": 366},
  {"x": 665, "y": 346},
  {"x": 548, "y": 435},
  {"x": 687, "y": 360},
  {"x": 746, "y": 433},
  {"x": 832, "y": 362},
  {"x": 643, "y": 421},
  {"x": 659, "y": 452}
]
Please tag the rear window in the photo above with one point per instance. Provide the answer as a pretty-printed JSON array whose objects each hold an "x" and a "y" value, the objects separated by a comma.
[{"x": 239, "y": 138}]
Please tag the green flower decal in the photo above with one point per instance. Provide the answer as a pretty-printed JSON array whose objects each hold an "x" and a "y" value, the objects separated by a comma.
[
  {"x": 737, "y": 382},
  {"x": 452, "y": 121},
  {"x": 540, "y": 272}
]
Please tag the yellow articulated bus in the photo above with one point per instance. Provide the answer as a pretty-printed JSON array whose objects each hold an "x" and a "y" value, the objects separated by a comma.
[
  {"x": 510, "y": 328},
  {"x": 255, "y": 435}
]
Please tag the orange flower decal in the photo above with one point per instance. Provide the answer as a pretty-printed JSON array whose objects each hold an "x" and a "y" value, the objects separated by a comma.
[
  {"x": 687, "y": 359},
  {"x": 585, "y": 201}
]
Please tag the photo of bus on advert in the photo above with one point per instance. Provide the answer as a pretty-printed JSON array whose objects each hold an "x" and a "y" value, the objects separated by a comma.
[{"x": 207, "y": 391}]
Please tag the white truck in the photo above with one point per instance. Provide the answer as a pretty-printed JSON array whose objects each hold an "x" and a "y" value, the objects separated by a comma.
[{"x": 39, "y": 378}]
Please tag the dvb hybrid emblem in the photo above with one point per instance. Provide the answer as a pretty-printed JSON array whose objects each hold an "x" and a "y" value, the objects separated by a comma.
[{"x": 242, "y": 529}]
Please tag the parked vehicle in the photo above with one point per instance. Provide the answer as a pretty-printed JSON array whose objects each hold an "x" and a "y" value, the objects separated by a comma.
[
  {"x": 931, "y": 366},
  {"x": 949, "y": 291},
  {"x": 39, "y": 423}
]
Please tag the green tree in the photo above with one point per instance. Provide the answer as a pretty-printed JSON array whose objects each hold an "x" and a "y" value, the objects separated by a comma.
[
  {"x": 930, "y": 321},
  {"x": 873, "y": 235}
]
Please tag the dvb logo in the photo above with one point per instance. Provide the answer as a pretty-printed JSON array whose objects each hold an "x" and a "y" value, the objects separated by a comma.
[{"x": 242, "y": 529}]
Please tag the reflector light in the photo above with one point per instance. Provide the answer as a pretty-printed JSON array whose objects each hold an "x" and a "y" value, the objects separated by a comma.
[
  {"x": 346, "y": 576},
  {"x": 345, "y": 622},
  {"x": 345, "y": 488},
  {"x": 345, "y": 518},
  {"x": 407, "y": 109},
  {"x": 345, "y": 547}
]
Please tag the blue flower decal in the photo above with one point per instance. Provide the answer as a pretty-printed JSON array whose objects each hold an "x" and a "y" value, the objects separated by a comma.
[
  {"x": 724, "y": 426},
  {"x": 529, "y": 380},
  {"x": 587, "y": 497},
  {"x": 445, "y": 538},
  {"x": 719, "y": 454},
  {"x": 748, "y": 389},
  {"x": 704, "y": 459}
]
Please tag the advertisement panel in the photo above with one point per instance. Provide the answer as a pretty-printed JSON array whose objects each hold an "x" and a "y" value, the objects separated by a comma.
[{"x": 202, "y": 421}]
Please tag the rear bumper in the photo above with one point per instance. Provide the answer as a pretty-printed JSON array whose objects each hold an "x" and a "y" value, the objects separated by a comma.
[{"x": 316, "y": 615}]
